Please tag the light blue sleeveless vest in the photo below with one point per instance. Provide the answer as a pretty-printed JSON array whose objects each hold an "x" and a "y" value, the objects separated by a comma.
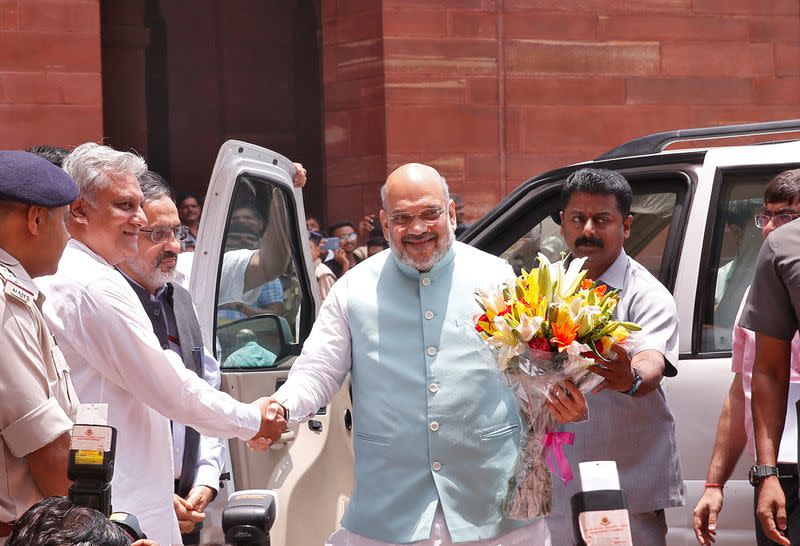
[{"x": 433, "y": 420}]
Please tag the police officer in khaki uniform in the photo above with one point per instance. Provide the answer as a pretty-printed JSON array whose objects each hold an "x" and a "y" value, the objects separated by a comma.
[{"x": 37, "y": 401}]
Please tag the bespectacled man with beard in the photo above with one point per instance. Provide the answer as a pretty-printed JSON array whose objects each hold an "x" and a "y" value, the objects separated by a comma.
[
  {"x": 197, "y": 460},
  {"x": 436, "y": 429}
]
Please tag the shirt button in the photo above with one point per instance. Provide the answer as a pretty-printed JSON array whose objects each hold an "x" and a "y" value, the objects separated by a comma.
[
  {"x": 426, "y": 281},
  {"x": 431, "y": 351},
  {"x": 437, "y": 466},
  {"x": 434, "y": 426},
  {"x": 433, "y": 387},
  {"x": 429, "y": 315}
]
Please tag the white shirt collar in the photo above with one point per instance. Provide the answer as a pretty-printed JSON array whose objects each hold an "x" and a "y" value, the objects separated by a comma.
[{"x": 78, "y": 245}]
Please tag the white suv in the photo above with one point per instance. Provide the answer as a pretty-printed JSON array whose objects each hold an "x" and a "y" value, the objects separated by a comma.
[{"x": 693, "y": 229}]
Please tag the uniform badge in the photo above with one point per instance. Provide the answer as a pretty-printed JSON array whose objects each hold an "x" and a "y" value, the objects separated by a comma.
[{"x": 18, "y": 292}]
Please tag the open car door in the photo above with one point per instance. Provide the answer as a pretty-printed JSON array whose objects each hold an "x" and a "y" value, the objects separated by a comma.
[{"x": 252, "y": 225}]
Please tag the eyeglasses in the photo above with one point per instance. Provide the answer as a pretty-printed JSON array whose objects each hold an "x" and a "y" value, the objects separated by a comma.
[
  {"x": 428, "y": 216},
  {"x": 348, "y": 237},
  {"x": 777, "y": 219},
  {"x": 161, "y": 234}
]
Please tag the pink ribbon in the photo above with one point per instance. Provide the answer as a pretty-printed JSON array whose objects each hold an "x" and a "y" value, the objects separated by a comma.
[{"x": 554, "y": 454}]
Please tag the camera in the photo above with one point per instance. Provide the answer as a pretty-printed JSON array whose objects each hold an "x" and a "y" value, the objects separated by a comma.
[
  {"x": 91, "y": 467},
  {"x": 330, "y": 243},
  {"x": 248, "y": 517}
]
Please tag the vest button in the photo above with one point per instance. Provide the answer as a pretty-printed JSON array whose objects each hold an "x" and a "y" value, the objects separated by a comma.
[
  {"x": 433, "y": 387},
  {"x": 431, "y": 351},
  {"x": 437, "y": 466},
  {"x": 426, "y": 281},
  {"x": 429, "y": 315},
  {"x": 434, "y": 426}
]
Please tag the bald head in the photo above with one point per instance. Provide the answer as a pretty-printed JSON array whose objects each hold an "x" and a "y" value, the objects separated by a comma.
[
  {"x": 418, "y": 217},
  {"x": 414, "y": 179}
]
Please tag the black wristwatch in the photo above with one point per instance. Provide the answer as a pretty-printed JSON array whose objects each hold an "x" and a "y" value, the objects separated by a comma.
[
  {"x": 637, "y": 382},
  {"x": 760, "y": 471}
]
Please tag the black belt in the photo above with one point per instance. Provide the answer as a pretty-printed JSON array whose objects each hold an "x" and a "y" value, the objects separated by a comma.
[{"x": 787, "y": 470}]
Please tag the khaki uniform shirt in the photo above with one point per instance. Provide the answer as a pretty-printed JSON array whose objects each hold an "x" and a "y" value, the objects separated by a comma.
[{"x": 37, "y": 401}]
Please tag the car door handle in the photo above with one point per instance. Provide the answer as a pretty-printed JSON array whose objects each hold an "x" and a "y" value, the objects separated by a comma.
[{"x": 286, "y": 438}]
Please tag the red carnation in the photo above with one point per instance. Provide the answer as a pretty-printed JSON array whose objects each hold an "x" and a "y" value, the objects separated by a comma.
[
  {"x": 598, "y": 345},
  {"x": 540, "y": 344}
]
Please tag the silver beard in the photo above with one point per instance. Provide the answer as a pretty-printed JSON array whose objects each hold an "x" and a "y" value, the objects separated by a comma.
[
  {"x": 149, "y": 272},
  {"x": 442, "y": 247}
]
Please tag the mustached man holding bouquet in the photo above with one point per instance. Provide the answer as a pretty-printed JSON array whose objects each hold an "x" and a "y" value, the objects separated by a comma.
[
  {"x": 629, "y": 421},
  {"x": 436, "y": 428}
]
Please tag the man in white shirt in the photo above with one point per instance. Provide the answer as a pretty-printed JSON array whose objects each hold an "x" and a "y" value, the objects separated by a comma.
[{"x": 114, "y": 355}]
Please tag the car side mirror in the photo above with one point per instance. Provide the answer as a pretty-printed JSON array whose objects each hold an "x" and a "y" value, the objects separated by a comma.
[{"x": 259, "y": 341}]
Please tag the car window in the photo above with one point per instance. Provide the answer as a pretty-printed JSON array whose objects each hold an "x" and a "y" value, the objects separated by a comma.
[
  {"x": 732, "y": 244},
  {"x": 652, "y": 217},
  {"x": 259, "y": 315}
]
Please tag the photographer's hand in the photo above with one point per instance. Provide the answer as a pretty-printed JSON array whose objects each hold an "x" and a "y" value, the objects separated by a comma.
[
  {"x": 272, "y": 424},
  {"x": 186, "y": 514},
  {"x": 145, "y": 542}
]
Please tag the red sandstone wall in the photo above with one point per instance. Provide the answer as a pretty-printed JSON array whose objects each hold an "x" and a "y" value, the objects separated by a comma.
[
  {"x": 494, "y": 91},
  {"x": 50, "y": 90},
  {"x": 355, "y": 113}
]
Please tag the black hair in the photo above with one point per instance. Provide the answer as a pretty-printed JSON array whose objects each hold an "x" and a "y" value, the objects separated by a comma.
[
  {"x": 154, "y": 186},
  {"x": 184, "y": 195},
  {"x": 53, "y": 154},
  {"x": 56, "y": 521},
  {"x": 783, "y": 188},
  {"x": 378, "y": 241},
  {"x": 599, "y": 181},
  {"x": 337, "y": 225}
]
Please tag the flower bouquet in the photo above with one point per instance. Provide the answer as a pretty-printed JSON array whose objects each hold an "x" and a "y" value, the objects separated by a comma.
[{"x": 547, "y": 326}]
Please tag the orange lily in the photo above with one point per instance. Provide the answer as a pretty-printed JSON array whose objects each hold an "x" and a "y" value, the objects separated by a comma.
[{"x": 565, "y": 331}]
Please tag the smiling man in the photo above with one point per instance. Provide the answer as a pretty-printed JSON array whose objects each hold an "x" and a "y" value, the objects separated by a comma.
[
  {"x": 114, "y": 356},
  {"x": 629, "y": 419},
  {"x": 436, "y": 429},
  {"x": 197, "y": 460}
]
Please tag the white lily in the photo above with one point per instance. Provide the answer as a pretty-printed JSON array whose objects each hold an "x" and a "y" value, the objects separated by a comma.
[
  {"x": 569, "y": 279},
  {"x": 492, "y": 301},
  {"x": 528, "y": 326}
]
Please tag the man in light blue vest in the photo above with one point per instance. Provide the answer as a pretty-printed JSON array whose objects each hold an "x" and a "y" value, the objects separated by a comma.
[{"x": 436, "y": 429}]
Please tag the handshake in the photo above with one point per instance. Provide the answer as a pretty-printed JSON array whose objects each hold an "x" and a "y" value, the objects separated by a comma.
[{"x": 273, "y": 424}]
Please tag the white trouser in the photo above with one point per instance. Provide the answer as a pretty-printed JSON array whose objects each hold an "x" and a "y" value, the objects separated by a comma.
[{"x": 535, "y": 534}]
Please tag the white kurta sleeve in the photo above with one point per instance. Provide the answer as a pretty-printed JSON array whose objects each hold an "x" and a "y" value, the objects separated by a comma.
[
  {"x": 320, "y": 370},
  {"x": 118, "y": 340}
]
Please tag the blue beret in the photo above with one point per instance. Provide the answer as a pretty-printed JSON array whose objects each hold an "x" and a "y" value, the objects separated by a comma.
[{"x": 28, "y": 178}]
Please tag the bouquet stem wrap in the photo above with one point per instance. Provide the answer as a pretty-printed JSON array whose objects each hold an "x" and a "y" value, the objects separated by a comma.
[{"x": 532, "y": 375}]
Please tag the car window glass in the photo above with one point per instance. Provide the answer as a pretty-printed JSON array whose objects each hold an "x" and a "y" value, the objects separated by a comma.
[
  {"x": 734, "y": 244},
  {"x": 652, "y": 216},
  {"x": 258, "y": 313}
]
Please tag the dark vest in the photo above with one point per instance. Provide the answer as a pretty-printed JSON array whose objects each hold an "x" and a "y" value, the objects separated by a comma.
[{"x": 190, "y": 339}]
